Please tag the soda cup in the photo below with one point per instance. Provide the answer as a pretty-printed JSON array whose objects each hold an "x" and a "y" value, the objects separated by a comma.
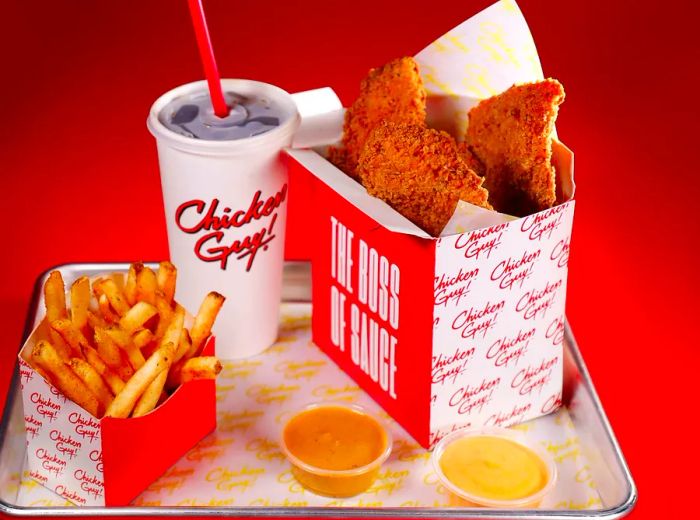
[{"x": 225, "y": 196}]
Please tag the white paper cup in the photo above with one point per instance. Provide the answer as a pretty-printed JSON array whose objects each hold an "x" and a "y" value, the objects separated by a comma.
[{"x": 244, "y": 184}]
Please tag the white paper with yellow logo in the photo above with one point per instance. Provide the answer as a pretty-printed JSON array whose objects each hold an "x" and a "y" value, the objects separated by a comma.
[{"x": 241, "y": 464}]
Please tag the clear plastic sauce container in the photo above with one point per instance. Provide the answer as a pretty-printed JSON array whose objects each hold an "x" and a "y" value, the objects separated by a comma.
[
  {"x": 493, "y": 467},
  {"x": 336, "y": 450}
]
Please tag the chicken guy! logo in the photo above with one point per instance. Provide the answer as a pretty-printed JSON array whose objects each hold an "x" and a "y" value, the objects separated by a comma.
[
  {"x": 213, "y": 218},
  {"x": 372, "y": 282}
]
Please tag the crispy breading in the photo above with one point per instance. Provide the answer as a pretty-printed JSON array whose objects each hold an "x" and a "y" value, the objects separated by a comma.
[
  {"x": 393, "y": 92},
  {"x": 470, "y": 159},
  {"x": 511, "y": 135},
  {"x": 418, "y": 172}
]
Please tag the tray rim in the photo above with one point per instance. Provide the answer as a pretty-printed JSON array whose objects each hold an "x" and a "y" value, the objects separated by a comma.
[{"x": 7, "y": 508}]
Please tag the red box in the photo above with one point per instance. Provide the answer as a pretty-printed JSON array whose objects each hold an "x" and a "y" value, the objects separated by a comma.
[
  {"x": 108, "y": 461},
  {"x": 464, "y": 330}
]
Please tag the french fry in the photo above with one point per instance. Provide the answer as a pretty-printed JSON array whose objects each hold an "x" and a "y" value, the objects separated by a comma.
[
  {"x": 184, "y": 346},
  {"x": 80, "y": 302},
  {"x": 67, "y": 382},
  {"x": 72, "y": 335},
  {"x": 55, "y": 302},
  {"x": 55, "y": 297},
  {"x": 150, "y": 397},
  {"x": 43, "y": 373},
  {"x": 202, "y": 367},
  {"x": 204, "y": 320},
  {"x": 175, "y": 327},
  {"x": 92, "y": 379},
  {"x": 114, "y": 382},
  {"x": 110, "y": 352},
  {"x": 123, "y": 341},
  {"x": 165, "y": 313},
  {"x": 146, "y": 286},
  {"x": 137, "y": 316},
  {"x": 167, "y": 277},
  {"x": 95, "y": 320},
  {"x": 125, "y": 400},
  {"x": 130, "y": 286},
  {"x": 106, "y": 309},
  {"x": 142, "y": 338},
  {"x": 117, "y": 300}
]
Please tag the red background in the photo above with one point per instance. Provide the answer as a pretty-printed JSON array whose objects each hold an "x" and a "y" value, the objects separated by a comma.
[{"x": 80, "y": 179}]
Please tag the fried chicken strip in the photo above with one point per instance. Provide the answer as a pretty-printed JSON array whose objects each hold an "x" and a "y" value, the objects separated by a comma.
[
  {"x": 511, "y": 135},
  {"x": 418, "y": 172},
  {"x": 393, "y": 92}
]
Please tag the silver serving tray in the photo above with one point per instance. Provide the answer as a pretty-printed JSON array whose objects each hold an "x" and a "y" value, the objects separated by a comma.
[{"x": 607, "y": 464}]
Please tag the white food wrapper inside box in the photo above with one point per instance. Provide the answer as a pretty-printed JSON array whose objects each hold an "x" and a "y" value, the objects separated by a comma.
[
  {"x": 462, "y": 330},
  {"x": 92, "y": 461}
]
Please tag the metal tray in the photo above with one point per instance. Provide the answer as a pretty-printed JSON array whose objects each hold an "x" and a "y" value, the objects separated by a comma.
[{"x": 605, "y": 462}]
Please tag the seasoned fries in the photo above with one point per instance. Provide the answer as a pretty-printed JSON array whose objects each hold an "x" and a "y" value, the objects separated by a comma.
[
  {"x": 204, "y": 320},
  {"x": 116, "y": 357},
  {"x": 80, "y": 302},
  {"x": 203, "y": 367},
  {"x": 44, "y": 355},
  {"x": 124, "y": 403}
]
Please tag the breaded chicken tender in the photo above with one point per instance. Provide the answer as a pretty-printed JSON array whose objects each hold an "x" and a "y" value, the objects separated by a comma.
[
  {"x": 393, "y": 92},
  {"x": 418, "y": 172},
  {"x": 511, "y": 135},
  {"x": 470, "y": 159}
]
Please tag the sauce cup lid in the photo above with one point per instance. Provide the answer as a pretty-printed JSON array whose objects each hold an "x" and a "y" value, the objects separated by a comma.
[
  {"x": 502, "y": 433},
  {"x": 338, "y": 472}
]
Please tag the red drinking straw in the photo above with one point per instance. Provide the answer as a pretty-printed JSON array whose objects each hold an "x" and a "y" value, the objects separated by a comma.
[{"x": 206, "y": 53}]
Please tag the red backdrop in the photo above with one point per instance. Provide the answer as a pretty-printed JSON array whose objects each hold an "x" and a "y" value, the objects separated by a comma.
[{"x": 80, "y": 179}]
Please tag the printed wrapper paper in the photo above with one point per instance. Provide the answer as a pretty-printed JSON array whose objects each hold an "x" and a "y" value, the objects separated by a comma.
[
  {"x": 241, "y": 465},
  {"x": 108, "y": 461},
  {"x": 463, "y": 330}
]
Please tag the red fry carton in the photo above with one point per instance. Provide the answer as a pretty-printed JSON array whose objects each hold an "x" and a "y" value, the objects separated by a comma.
[
  {"x": 462, "y": 330},
  {"x": 108, "y": 461}
]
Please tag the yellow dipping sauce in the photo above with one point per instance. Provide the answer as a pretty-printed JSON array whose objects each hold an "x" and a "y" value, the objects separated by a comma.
[
  {"x": 494, "y": 468},
  {"x": 338, "y": 449}
]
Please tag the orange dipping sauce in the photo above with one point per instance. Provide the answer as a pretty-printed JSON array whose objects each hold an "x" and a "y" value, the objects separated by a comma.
[{"x": 335, "y": 450}]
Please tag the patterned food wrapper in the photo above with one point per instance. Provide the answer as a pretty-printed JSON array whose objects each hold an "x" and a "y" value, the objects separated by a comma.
[
  {"x": 462, "y": 330},
  {"x": 90, "y": 461},
  {"x": 241, "y": 464}
]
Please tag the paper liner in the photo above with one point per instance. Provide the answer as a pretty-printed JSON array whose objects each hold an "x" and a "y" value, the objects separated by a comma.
[{"x": 241, "y": 463}]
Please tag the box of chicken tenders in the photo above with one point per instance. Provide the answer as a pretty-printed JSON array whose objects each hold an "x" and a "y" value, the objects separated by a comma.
[{"x": 443, "y": 230}]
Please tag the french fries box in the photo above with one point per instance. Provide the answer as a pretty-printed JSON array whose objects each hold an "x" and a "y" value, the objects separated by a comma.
[
  {"x": 465, "y": 329},
  {"x": 108, "y": 461}
]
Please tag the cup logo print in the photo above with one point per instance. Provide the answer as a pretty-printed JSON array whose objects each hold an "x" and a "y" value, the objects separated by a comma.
[{"x": 210, "y": 220}]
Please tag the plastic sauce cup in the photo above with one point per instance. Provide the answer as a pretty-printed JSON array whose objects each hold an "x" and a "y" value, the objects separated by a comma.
[
  {"x": 336, "y": 450},
  {"x": 504, "y": 442}
]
